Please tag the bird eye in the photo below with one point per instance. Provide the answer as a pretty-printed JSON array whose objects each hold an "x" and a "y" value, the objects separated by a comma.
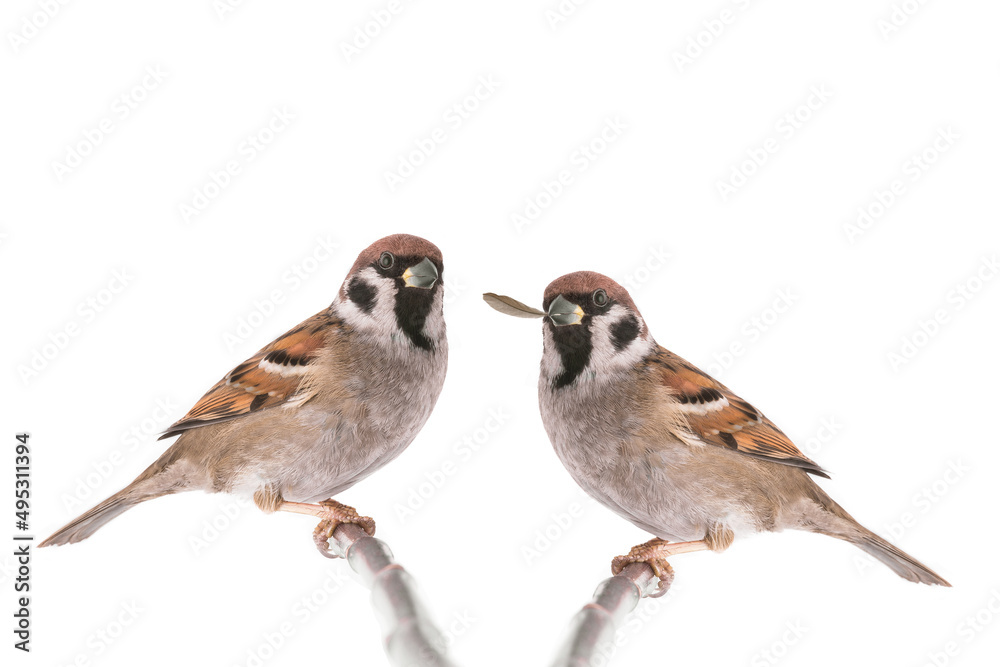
[
  {"x": 600, "y": 297},
  {"x": 386, "y": 260}
]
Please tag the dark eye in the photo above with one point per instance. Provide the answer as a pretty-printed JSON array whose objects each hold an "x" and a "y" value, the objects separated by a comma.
[
  {"x": 600, "y": 297},
  {"x": 386, "y": 260}
]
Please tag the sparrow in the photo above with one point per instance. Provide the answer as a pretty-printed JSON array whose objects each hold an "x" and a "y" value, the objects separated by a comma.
[
  {"x": 664, "y": 445},
  {"x": 317, "y": 410}
]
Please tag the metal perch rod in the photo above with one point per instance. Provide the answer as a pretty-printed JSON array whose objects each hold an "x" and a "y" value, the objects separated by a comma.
[
  {"x": 409, "y": 637},
  {"x": 592, "y": 630}
]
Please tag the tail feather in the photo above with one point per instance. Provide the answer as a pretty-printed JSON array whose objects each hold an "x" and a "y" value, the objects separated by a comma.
[
  {"x": 834, "y": 521},
  {"x": 159, "y": 479},
  {"x": 896, "y": 559},
  {"x": 89, "y": 522}
]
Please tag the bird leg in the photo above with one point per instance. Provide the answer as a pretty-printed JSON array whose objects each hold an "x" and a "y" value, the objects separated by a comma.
[
  {"x": 654, "y": 553},
  {"x": 331, "y": 514}
]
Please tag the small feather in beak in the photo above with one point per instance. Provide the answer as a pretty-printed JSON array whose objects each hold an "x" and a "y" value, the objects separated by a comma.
[{"x": 512, "y": 307}]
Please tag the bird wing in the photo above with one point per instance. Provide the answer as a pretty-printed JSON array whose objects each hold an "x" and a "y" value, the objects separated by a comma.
[
  {"x": 275, "y": 375},
  {"x": 719, "y": 417}
]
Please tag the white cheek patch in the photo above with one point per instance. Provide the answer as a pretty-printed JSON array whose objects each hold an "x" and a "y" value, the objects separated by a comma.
[
  {"x": 381, "y": 320},
  {"x": 605, "y": 356}
]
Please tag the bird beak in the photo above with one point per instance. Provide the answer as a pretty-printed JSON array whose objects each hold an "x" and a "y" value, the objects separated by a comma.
[
  {"x": 423, "y": 274},
  {"x": 562, "y": 312}
]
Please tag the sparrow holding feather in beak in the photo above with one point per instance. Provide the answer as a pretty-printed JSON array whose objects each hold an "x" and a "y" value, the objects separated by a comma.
[
  {"x": 664, "y": 445},
  {"x": 322, "y": 407}
]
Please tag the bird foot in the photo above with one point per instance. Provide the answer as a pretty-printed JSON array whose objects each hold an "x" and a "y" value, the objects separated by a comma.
[
  {"x": 651, "y": 554},
  {"x": 334, "y": 514},
  {"x": 654, "y": 553}
]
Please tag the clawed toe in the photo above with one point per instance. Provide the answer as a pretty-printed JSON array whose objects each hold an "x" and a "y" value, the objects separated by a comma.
[
  {"x": 661, "y": 568},
  {"x": 643, "y": 553},
  {"x": 336, "y": 514},
  {"x": 322, "y": 535},
  {"x": 664, "y": 573},
  {"x": 654, "y": 554}
]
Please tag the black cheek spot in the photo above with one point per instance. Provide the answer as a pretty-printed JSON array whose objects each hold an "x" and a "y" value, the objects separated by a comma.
[
  {"x": 362, "y": 294},
  {"x": 624, "y": 331}
]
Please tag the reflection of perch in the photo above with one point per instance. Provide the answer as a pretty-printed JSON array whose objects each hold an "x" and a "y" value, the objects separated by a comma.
[
  {"x": 408, "y": 634},
  {"x": 592, "y": 630}
]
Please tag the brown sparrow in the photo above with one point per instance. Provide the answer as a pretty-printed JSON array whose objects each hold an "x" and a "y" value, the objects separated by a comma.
[
  {"x": 320, "y": 408},
  {"x": 664, "y": 445}
]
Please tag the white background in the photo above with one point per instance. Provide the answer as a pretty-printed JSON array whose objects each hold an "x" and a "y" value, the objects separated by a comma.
[{"x": 889, "y": 432}]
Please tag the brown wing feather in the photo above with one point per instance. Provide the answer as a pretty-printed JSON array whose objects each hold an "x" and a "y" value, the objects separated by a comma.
[
  {"x": 267, "y": 379},
  {"x": 719, "y": 417}
]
